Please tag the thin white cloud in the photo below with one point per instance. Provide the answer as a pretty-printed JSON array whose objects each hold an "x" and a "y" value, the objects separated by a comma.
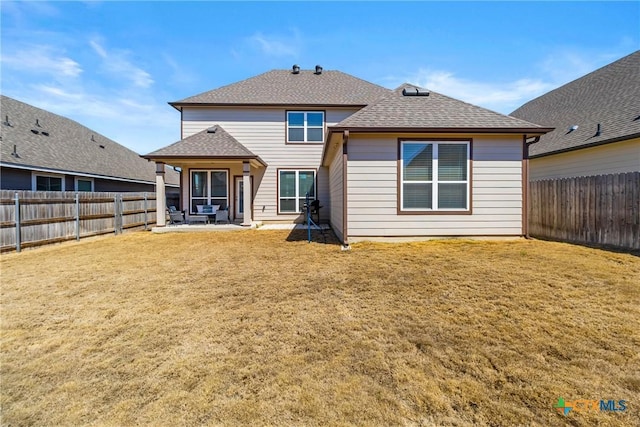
[
  {"x": 116, "y": 62},
  {"x": 499, "y": 96},
  {"x": 41, "y": 59},
  {"x": 277, "y": 46}
]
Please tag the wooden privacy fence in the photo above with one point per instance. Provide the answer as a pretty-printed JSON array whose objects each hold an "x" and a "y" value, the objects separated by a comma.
[
  {"x": 602, "y": 210},
  {"x": 34, "y": 218}
]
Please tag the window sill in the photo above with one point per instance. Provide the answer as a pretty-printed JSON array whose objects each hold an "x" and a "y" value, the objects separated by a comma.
[{"x": 465, "y": 212}]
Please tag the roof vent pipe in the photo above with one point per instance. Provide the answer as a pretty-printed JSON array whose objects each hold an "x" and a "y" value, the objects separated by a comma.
[
  {"x": 14, "y": 153},
  {"x": 38, "y": 123},
  {"x": 414, "y": 91},
  {"x": 296, "y": 69},
  {"x": 318, "y": 69},
  {"x": 6, "y": 121},
  {"x": 598, "y": 130}
]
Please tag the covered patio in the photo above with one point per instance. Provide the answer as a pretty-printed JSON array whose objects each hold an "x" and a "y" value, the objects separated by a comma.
[{"x": 216, "y": 172}]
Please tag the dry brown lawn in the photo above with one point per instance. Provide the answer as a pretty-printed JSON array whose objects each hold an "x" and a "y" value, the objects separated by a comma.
[{"x": 259, "y": 328}]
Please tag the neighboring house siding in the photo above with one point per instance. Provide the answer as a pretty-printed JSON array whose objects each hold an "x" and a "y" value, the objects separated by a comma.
[
  {"x": 263, "y": 131},
  {"x": 15, "y": 179},
  {"x": 119, "y": 186},
  {"x": 617, "y": 157},
  {"x": 373, "y": 182},
  {"x": 336, "y": 180}
]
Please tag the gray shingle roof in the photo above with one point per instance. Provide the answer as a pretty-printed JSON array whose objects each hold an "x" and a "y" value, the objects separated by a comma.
[
  {"x": 213, "y": 142},
  {"x": 609, "y": 96},
  {"x": 69, "y": 146},
  {"x": 282, "y": 87},
  {"x": 436, "y": 111}
]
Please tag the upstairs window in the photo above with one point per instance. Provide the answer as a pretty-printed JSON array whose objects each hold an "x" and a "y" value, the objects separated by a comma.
[
  {"x": 435, "y": 176},
  {"x": 305, "y": 126}
]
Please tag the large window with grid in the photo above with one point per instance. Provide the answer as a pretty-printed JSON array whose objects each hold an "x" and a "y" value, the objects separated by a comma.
[
  {"x": 305, "y": 126},
  {"x": 434, "y": 176},
  {"x": 209, "y": 187},
  {"x": 293, "y": 186}
]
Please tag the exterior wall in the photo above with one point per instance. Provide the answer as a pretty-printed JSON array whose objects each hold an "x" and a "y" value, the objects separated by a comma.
[
  {"x": 496, "y": 190},
  {"x": 263, "y": 131},
  {"x": 617, "y": 157},
  {"x": 336, "y": 180},
  {"x": 21, "y": 179},
  {"x": 118, "y": 186}
]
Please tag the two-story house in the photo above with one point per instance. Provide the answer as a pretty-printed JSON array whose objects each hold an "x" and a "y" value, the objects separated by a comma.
[{"x": 403, "y": 163}]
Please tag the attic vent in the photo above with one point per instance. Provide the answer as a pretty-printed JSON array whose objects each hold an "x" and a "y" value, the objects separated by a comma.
[
  {"x": 296, "y": 69},
  {"x": 414, "y": 91},
  {"x": 318, "y": 70},
  {"x": 212, "y": 129}
]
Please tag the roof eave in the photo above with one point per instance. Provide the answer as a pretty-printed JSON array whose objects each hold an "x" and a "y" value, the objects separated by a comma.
[
  {"x": 162, "y": 157},
  {"x": 580, "y": 147},
  {"x": 178, "y": 105},
  {"x": 522, "y": 130}
]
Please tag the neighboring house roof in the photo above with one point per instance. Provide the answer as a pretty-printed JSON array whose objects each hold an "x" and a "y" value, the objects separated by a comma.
[
  {"x": 47, "y": 141},
  {"x": 432, "y": 112},
  {"x": 609, "y": 97},
  {"x": 283, "y": 87},
  {"x": 212, "y": 143}
]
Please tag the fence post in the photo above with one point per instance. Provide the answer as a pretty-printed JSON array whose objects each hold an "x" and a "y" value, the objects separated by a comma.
[
  {"x": 77, "y": 216},
  {"x": 17, "y": 221},
  {"x": 115, "y": 214},
  {"x": 145, "y": 212},
  {"x": 121, "y": 211}
]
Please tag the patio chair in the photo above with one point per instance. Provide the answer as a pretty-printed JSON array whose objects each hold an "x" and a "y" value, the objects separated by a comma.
[
  {"x": 175, "y": 216},
  {"x": 222, "y": 215}
]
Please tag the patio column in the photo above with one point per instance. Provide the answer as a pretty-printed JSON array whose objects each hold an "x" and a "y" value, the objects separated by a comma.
[
  {"x": 161, "y": 199},
  {"x": 246, "y": 193}
]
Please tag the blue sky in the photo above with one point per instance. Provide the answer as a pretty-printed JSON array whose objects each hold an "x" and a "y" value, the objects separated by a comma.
[{"x": 113, "y": 66}]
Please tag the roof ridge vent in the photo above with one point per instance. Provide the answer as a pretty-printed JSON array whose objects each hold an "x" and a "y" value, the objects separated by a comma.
[
  {"x": 318, "y": 70},
  {"x": 212, "y": 129},
  {"x": 295, "y": 69},
  {"x": 414, "y": 91}
]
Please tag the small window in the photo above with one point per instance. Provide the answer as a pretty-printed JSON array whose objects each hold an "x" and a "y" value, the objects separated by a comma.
[
  {"x": 434, "y": 176},
  {"x": 48, "y": 182},
  {"x": 293, "y": 188},
  {"x": 84, "y": 184},
  {"x": 305, "y": 126}
]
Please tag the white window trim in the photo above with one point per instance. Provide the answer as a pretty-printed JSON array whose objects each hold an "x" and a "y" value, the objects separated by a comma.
[
  {"x": 208, "y": 196},
  {"x": 34, "y": 176},
  {"x": 298, "y": 196},
  {"x": 434, "y": 177},
  {"x": 81, "y": 178},
  {"x": 306, "y": 127}
]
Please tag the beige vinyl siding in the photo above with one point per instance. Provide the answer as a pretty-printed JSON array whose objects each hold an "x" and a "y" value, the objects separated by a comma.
[
  {"x": 617, "y": 157},
  {"x": 336, "y": 180},
  {"x": 263, "y": 131},
  {"x": 496, "y": 190}
]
